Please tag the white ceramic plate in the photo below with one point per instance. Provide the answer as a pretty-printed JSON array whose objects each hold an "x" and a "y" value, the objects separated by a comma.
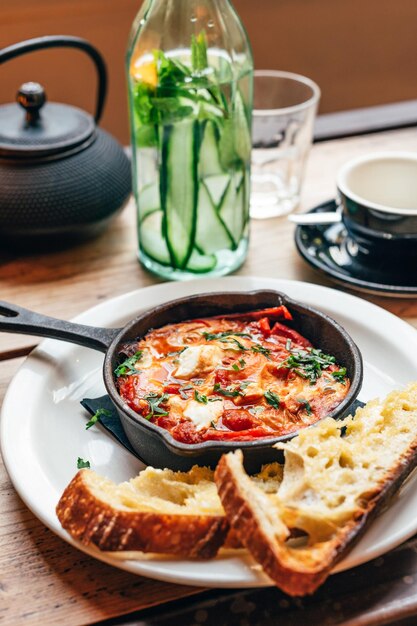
[{"x": 43, "y": 433}]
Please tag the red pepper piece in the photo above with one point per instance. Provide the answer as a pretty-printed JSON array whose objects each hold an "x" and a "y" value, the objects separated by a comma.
[
  {"x": 264, "y": 326},
  {"x": 289, "y": 333},
  {"x": 276, "y": 311},
  {"x": 172, "y": 388}
]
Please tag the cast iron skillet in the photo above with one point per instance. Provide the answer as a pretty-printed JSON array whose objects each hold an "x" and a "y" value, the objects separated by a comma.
[{"x": 154, "y": 444}]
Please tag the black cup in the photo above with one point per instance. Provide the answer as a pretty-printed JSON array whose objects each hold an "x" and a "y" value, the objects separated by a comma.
[{"x": 378, "y": 195}]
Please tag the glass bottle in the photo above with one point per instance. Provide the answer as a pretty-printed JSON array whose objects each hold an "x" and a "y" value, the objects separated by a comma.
[{"x": 190, "y": 76}]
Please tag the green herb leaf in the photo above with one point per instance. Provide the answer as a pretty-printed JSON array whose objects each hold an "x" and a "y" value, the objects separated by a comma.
[
  {"x": 226, "y": 391},
  {"x": 258, "y": 348},
  {"x": 200, "y": 397},
  {"x": 308, "y": 364},
  {"x": 155, "y": 400},
  {"x": 306, "y": 405},
  {"x": 128, "y": 366},
  {"x": 239, "y": 366},
  {"x": 213, "y": 425},
  {"x": 183, "y": 390},
  {"x": 272, "y": 399},
  {"x": 288, "y": 344},
  {"x": 81, "y": 464},
  {"x": 199, "y": 52},
  {"x": 228, "y": 337},
  {"x": 96, "y": 416},
  {"x": 340, "y": 375},
  {"x": 224, "y": 335}
]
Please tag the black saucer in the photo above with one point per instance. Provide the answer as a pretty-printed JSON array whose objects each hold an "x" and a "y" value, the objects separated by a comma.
[{"x": 331, "y": 250}]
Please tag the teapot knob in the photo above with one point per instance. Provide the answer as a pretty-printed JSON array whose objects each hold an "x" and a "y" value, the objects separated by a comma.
[{"x": 31, "y": 96}]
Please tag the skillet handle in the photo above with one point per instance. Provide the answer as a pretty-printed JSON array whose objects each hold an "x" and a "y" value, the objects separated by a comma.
[{"x": 15, "y": 319}]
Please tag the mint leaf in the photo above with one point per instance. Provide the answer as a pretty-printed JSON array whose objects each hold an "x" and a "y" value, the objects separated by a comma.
[{"x": 81, "y": 464}]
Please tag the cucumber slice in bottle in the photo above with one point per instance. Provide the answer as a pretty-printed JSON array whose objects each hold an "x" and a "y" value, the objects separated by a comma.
[
  {"x": 212, "y": 234},
  {"x": 148, "y": 200},
  {"x": 151, "y": 240},
  {"x": 216, "y": 186},
  {"x": 233, "y": 208},
  {"x": 235, "y": 140},
  {"x": 154, "y": 245},
  {"x": 179, "y": 188},
  {"x": 209, "y": 163}
]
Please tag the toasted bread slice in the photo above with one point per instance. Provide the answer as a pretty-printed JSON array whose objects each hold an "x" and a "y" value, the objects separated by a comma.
[
  {"x": 334, "y": 482},
  {"x": 158, "y": 511}
]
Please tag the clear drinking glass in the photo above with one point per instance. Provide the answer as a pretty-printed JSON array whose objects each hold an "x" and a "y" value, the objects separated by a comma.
[
  {"x": 285, "y": 106},
  {"x": 190, "y": 75}
]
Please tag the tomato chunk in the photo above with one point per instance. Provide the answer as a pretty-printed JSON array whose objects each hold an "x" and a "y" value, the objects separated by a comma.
[
  {"x": 289, "y": 333},
  {"x": 238, "y": 419}
]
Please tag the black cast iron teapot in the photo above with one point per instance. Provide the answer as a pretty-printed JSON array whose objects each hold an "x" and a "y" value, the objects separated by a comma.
[{"x": 61, "y": 177}]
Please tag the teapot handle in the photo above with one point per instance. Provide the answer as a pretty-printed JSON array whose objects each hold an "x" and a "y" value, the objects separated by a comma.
[{"x": 64, "y": 41}]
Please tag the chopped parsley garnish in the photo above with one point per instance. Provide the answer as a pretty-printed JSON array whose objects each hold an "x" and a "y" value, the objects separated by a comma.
[
  {"x": 213, "y": 425},
  {"x": 224, "y": 335},
  {"x": 214, "y": 399},
  {"x": 96, "y": 416},
  {"x": 272, "y": 399},
  {"x": 236, "y": 341},
  {"x": 183, "y": 390},
  {"x": 239, "y": 366},
  {"x": 155, "y": 400},
  {"x": 200, "y": 397},
  {"x": 81, "y": 464},
  {"x": 226, "y": 391},
  {"x": 198, "y": 381},
  {"x": 228, "y": 337},
  {"x": 258, "y": 348},
  {"x": 128, "y": 366},
  {"x": 308, "y": 364},
  {"x": 288, "y": 344},
  {"x": 306, "y": 405},
  {"x": 340, "y": 375}
]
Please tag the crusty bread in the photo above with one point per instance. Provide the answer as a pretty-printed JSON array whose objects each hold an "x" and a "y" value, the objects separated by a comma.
[
  {"x": 158, "y": 511},
  {"x": 332, "y": 486}
]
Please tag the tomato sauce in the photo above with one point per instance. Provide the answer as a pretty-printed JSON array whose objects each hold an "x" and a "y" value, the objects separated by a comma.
[{"x": 236, "y": 377}]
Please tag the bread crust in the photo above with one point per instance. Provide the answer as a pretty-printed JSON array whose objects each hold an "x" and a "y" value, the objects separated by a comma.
[
  {"x": 297, "y": 578},
  {"x": 94, "y": 521}
]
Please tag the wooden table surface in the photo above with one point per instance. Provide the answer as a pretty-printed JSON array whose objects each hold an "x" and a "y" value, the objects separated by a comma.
[{"x": 43, "y": 579}]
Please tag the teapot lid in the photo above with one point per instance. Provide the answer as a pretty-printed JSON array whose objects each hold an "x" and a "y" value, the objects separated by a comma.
[{"x": 47, "y": 129}]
